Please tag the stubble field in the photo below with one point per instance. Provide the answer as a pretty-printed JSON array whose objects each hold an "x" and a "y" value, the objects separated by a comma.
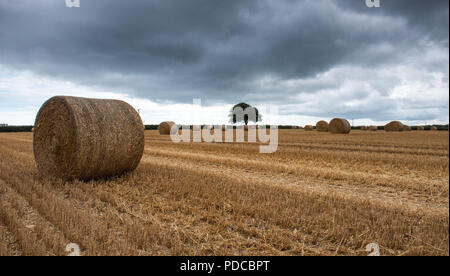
[{"x": 319, "y": 194}]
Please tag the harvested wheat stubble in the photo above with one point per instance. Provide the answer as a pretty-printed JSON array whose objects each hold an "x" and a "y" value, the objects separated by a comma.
[
  {"x": 165, "y": 127},
  {"x": 373, "y": 128},
  {"x": 309, "y": 128},
  {"x": 339, "y": 126},
  {"x": 322, "y": 126},
  {"x": 420, "y": 128},
  {"x": 394, "y": 126},
  {"x": 87, "y": 138}
]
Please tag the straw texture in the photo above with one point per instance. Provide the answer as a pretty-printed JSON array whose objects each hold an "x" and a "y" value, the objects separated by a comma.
[
  {"x": 322, "y": 126},
  {"x": 394, "y": 126},
  {"x": 87, "y": 138},
  {"x": 165, "y": 127},
  {"x": 339, "y": 126}
]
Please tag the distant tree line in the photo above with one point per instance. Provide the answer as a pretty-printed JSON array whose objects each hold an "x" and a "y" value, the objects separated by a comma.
[
  {"x": 154, "y": 127},
  {"x": 16, "y": 128},
  {"x": 439, "y": 127}
]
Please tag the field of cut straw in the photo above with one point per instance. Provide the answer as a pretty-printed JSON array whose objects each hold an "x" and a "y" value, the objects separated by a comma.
[{"x": 319, "y": 194}]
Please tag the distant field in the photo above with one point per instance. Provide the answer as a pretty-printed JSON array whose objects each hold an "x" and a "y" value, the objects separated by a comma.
[{"x": 319, "y": 194}]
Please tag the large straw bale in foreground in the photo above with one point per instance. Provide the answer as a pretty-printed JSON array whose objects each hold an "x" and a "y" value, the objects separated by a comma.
[
  {"x": 87, "y": 138},
  {"x": 338, "y": 125},
  {"x": 394, "y": 126},
  {"x": 165, "y": 127},
  {"x": 322, "y": 126}
]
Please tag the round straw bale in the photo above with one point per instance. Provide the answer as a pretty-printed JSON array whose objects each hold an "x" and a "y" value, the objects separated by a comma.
[
  {"x": 165, "y": 127},
  {"x": 309, "y": 128},
  {"x": 373, "y": 128},
  {"x": 406, "y": 128},
  {"x": 87, "y": 138},
  {"x": 420, "y": 128},
  {"x": 338, "y": 125},
  {"x": 32, "y": 129},
  {"x": 322, "y": 126},
  {"x": 433, "y": 128},
  {"x": 363, "y": 128},
  {"x": 394, "y": 126}
]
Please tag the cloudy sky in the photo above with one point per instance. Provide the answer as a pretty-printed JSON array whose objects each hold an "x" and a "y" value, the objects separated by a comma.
[{"x": 307, "y": 60}]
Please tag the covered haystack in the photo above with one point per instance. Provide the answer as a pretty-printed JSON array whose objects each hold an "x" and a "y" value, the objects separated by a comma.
[
  {"x": 87, "y": 138},
  {"x": 339, "y": 125},
  {"x": 322, "y": 126}
]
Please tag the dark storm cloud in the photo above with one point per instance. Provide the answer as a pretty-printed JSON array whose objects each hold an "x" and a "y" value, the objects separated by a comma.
[
  {"x": 217, "y": 50},
  {"x": 429, "y": 17}
]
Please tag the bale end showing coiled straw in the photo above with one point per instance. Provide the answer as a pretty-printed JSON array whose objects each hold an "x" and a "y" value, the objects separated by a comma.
[
  {"x": 322, "y": 126},
  {"x": 87, "y": 138},
  {"x": 165, "y": 128}
]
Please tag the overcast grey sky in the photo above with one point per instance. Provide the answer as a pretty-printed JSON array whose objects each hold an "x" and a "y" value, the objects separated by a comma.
[{"x": 312, "y": 59}]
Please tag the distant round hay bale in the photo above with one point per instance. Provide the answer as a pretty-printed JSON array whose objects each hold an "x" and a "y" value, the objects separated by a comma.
[
  {"x": 339, "y": 126},
  {"x": 363, "y": 128},
  {"x": 394, "y": 126},
  {"x": 322, "y": 126},
  {"x": 309, "y": 128},
  {"x": 32, "y": 129},
  {"x": 87, "y": 138},
  {"x": 165, "y": 127},
  {"x": 373, "y": 128},
  {"x": 420, "y": 128},
  {"x": 406, "y": 128},
  {"x": 433, "y": 128}
]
